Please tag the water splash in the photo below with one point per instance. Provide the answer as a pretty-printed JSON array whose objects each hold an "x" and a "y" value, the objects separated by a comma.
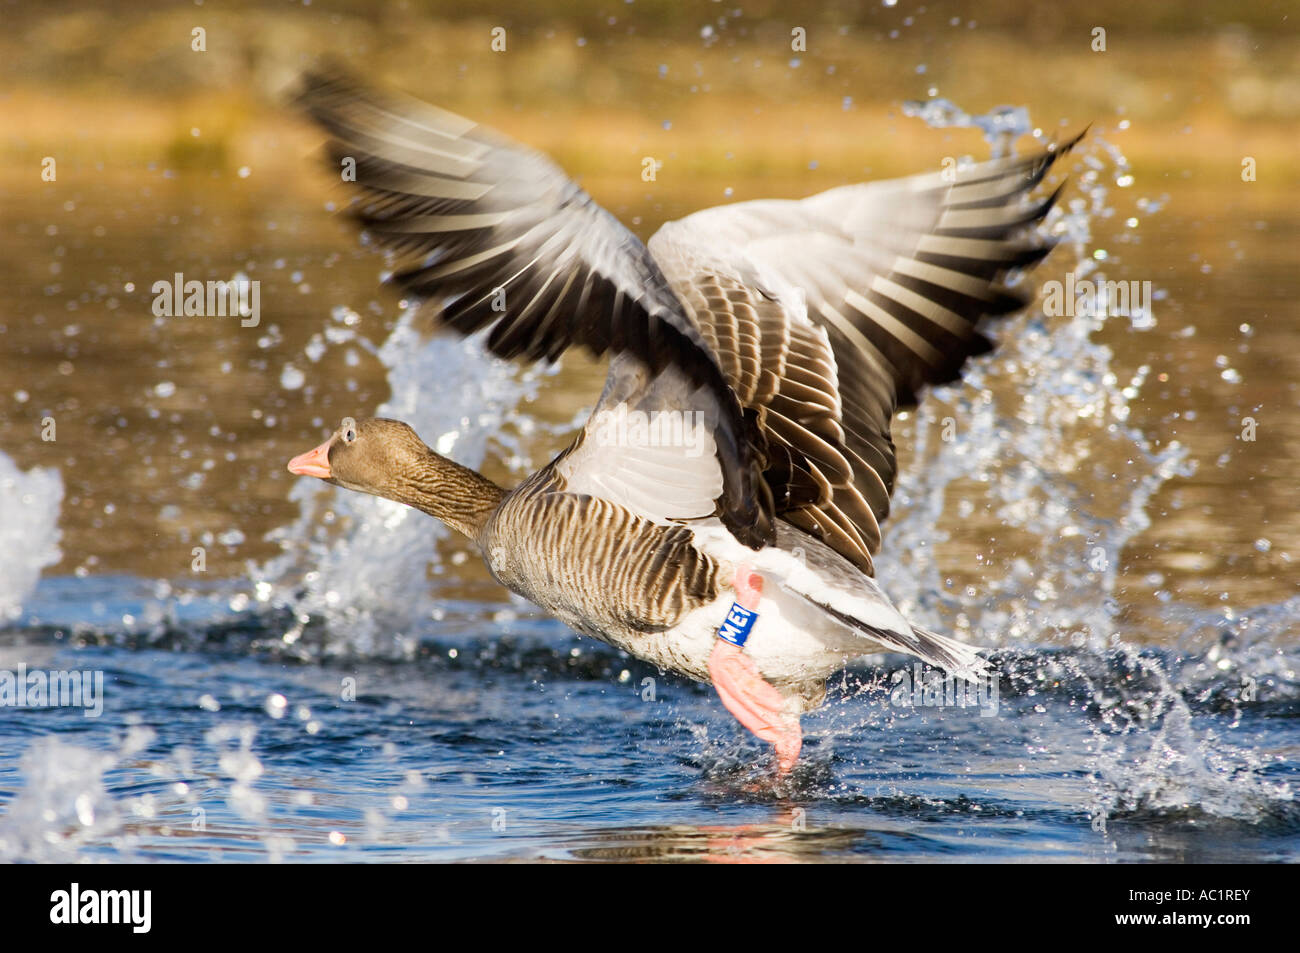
[
  {"x": 1152, "y": 756},
  {"x": 1036, "y": 441},
  {"x": 29, "y": 533},
  {"x": 360, "y": 564},
  {"x": 1036, "y": 445},
  {"x": 1001, "y": 126},
  {"x": 64, "y": 805}
]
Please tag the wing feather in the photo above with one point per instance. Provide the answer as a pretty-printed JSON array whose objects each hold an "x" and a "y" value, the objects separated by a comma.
[
  {"x": 880, "y": 288},
  {"x": 490, "y": 234}
]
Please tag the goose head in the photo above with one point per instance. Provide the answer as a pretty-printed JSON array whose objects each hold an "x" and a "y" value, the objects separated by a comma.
[{"x": 387, "y": 458}]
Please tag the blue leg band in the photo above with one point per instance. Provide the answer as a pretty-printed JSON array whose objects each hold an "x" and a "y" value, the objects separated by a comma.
[{"x": 737, "y": 625}]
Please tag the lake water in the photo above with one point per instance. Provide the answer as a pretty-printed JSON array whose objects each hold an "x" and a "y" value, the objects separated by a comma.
[{"x": 294, "y": 672}]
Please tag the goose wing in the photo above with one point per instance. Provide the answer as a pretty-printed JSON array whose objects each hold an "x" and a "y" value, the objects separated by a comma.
[
  {"x": 827, "y": 314},
  {"x": 492, "y": 235}
]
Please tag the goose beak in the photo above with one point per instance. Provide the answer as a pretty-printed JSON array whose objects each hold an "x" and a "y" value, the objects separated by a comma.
[{"x": 314, "y": 462}]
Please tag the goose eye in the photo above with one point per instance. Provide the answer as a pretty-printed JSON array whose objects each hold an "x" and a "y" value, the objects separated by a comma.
[{"x": 349, "y": 429}]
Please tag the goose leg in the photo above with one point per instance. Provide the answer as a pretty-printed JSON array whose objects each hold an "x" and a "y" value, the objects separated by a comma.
[{"x": 753, "y": 700}]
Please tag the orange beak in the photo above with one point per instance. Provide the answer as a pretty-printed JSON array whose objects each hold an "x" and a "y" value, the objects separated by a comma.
[{"x": 314, "y": 462}]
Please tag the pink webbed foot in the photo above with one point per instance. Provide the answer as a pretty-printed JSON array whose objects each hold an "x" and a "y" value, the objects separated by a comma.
[{"x": 752, "y": 699}]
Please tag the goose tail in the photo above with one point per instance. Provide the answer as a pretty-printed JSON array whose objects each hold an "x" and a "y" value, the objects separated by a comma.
[{"x": 956, "y": 658}]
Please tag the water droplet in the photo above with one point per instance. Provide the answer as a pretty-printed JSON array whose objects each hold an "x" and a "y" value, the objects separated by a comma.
[{"x": 291, "y": 378}]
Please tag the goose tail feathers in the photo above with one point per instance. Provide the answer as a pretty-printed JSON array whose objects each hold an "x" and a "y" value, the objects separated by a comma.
[{"x": 956, "y": 658}]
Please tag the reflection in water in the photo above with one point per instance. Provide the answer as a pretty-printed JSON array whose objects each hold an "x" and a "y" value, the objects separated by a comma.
[{"x": 781, "y": 841}]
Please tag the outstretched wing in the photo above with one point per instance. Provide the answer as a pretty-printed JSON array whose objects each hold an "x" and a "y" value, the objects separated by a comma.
[
  {"x": 828, "y": 313},
  {"x": 493, "y": 235}
]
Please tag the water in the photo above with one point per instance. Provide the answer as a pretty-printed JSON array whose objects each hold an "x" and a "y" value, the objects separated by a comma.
[
  {"x": 342, "y": 682},
  {"x": 30, "y": 501}
]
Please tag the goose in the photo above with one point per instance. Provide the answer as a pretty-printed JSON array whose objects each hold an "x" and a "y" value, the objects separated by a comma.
[{"x": 719, "y": 513}]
